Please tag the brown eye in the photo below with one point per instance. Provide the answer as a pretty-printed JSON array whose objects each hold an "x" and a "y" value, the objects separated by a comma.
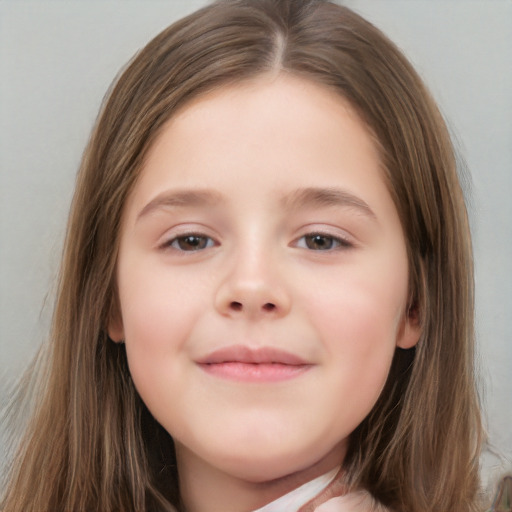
[
  {"x": 321, "y": 242},
  {"x": 191, "y": 243}
]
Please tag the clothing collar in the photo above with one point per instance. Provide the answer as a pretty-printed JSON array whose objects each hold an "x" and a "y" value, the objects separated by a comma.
[{"x": 295, "y": 499}]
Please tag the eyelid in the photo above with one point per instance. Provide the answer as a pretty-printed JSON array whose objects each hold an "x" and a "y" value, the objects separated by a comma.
[
  {"x": 180, "y": 232},
  {"x": 175, "y": 242},
  {"x": 345, "y": 241}
]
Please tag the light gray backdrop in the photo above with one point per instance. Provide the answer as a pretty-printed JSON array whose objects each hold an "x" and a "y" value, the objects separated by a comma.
[{"x": 58, "y": 57}]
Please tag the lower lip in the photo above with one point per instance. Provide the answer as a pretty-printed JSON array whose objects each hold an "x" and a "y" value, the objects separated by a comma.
[{"x": 255, "y": 372}]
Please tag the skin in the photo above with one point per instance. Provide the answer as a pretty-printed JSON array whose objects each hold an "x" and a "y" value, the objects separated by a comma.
[{"x": 320, "y": 274}]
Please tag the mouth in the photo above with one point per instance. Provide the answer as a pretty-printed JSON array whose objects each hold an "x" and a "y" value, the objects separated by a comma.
[{"x": 264, "y": 364}]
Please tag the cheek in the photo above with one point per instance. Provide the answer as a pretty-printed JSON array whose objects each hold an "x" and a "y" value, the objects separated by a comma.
[
  {"x": 158, "y": 304},
  {"x": 148, "y": 318},
  {"x": 359, "y": 323},
  {"x": 158, "y": 312},
  {"x": 362, "y": 311}
]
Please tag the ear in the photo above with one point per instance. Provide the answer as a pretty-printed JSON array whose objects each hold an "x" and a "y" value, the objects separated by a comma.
[
  {"x": 115, "y": 329},
  {"x": 410, "y": 330},
  {"x": 115, "y": 326}
]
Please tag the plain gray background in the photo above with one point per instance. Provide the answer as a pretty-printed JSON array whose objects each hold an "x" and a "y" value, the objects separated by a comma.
[{"x": 57, "y": 59}]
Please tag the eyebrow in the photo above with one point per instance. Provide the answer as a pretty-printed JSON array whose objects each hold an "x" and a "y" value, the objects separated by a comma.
[
  {"x": 327, "y": 197},
  {"x": 304, "y": 197},
  {"x": 181, "y": 199}
]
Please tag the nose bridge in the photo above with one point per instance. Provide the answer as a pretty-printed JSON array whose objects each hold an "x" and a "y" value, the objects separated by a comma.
[{"x": 253, "y": 284}]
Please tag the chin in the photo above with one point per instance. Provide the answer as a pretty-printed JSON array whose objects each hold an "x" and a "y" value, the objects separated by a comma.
[
  {"x": 265, "y": 462},
  {"x": 265, "y": 469}
]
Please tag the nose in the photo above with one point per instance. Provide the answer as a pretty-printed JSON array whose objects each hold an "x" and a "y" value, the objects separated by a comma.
[{"x": 253, "y": 288}]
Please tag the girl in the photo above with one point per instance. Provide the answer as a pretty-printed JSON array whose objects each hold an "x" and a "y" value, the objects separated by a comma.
[{"x": 265, "y": 300}]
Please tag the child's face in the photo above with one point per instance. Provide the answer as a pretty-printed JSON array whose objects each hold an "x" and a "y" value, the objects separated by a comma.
[{"x": 261, "y": 231}]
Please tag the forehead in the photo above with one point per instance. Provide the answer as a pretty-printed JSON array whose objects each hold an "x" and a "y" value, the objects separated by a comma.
[
  {"x": 272, "y": 100},
  {"x": 266, "y": 111},
  {"x": 281, "y": 131}
]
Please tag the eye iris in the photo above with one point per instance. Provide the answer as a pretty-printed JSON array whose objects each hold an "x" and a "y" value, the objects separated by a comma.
[
  {"x": 192, "y": 242},
  {"x": 319, "y": 242}
]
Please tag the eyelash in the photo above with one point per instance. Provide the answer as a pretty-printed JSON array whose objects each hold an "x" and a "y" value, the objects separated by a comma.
[
  {"x": 336, "y": 242},
  {"x": 174, "y": 243},
  {"x": 200, "y": 242}
]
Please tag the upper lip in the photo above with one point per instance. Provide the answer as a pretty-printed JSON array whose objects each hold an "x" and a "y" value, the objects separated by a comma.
[{"x": 245, "y": 354}]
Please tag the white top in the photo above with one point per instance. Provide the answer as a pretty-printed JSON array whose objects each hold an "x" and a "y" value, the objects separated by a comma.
[{"x": 301, "y": 495}]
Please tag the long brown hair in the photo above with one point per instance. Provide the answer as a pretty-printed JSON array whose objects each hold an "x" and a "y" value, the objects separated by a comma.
[{"x": 90, "y": 443}]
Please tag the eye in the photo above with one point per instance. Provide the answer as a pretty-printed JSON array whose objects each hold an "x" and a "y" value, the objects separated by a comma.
[
  {"x": 190, "y": 242},
  {"x": 322, "y": 242}
]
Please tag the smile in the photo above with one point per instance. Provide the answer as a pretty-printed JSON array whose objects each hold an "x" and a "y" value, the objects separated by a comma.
[{"x": 241, "y": 363}]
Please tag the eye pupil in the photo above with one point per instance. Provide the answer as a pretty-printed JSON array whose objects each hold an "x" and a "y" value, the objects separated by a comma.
[{"x": 319, "y": 242}]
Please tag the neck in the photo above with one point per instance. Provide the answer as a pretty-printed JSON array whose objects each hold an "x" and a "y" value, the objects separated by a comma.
[{"x": 204, "y": 488}]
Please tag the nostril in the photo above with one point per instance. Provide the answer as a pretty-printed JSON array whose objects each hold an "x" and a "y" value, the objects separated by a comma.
[{"x": 237, "y": 306}]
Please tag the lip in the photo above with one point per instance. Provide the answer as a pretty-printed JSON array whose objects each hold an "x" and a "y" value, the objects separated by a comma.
[{"x": 242, "y": 363}]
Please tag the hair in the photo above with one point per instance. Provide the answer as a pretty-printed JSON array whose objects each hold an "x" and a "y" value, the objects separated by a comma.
[{"x": 90, "y": 443}]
